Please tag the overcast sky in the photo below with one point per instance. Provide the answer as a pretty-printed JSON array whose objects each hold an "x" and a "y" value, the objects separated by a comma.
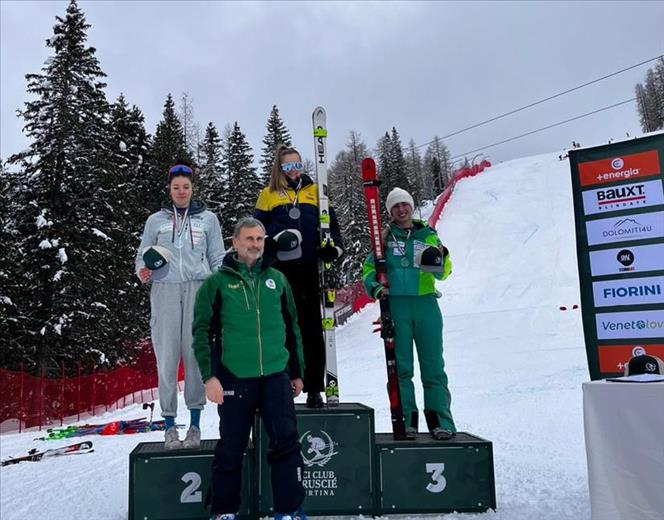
[{"x": 425, "y": 67}]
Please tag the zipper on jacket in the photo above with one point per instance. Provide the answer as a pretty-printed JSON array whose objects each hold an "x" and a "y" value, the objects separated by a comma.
[
  {"x": 246, "y": 299},
  {"x": 257, "y": 292}
]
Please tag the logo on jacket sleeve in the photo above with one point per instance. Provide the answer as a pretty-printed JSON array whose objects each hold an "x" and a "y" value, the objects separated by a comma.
[{"x": 270, "y": 283}]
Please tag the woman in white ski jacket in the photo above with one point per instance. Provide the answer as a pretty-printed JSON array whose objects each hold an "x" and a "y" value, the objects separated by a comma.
[{"x": 189, "y": 245}]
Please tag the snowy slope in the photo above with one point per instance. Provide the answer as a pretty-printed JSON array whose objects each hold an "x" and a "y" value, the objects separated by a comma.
[{"x": 515, "y": 361}]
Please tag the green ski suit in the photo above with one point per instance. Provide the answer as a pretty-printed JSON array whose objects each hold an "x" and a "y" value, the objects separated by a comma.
[{"x": 416, "y": 315}]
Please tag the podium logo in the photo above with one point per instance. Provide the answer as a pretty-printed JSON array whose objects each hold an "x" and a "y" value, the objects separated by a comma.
[{"x": 317, "y": 450}]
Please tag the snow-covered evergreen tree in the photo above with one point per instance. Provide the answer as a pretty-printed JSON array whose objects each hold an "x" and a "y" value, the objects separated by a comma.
[
  {"x": 659, "y": 82},
  {"x": 190, "y": 128},
  {"x": 347, "y": 195},
  {"x": 68, "y": 199},
  {"x": 391, "y": 164},
  {"x": 276, "y": 133},
  {"x": 168, "y": 146},
  {"x": 437, "y": 165},
  {"x": 243, "y": 182},
  {"x": 384, "y": 167},
  {"x": 401, "y": 178},
  {"x": 133, "y": 185},
  {"x": 213, "y": 185},
  {"x": 650, "y": 98},
  {"x": 11, "y": 320},
  {"x": 414, "y": 173}
]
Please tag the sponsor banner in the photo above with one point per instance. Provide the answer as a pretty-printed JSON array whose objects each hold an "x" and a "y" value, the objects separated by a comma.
[
  {"x": 626, "y": 325},
  {"x": 613, "y": 358},
  {"x": 637, "y": 259},
  {"x": 621, "y": 168},
  {"x": 622, "y": 229},
  {"x": 628, "y": 196},
  {"x": 631, "y": 291}
]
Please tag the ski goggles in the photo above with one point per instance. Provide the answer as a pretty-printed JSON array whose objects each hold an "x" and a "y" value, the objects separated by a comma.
[
  {"x": 180, "y": 169},
  {"x": 293, "y": 165}
]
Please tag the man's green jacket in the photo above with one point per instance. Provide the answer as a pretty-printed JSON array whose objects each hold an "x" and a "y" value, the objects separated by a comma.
[{"x": 246, "y": 320}]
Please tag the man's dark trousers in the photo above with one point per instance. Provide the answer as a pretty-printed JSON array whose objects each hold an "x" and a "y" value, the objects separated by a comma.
[{"x": 272, "y": 396}]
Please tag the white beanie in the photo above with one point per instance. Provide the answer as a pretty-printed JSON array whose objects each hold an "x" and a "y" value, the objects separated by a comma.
[{"x": 396, "y": 196}]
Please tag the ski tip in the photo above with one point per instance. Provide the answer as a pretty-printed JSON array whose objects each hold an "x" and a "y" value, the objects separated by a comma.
[
  {"x": 319, "y": 117},
  {"x": 368, "y": 169}
]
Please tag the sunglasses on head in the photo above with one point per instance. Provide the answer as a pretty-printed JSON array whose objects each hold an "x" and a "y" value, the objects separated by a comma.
[
  {"x": 294, "y": 165},
  {"x": 180, "y": 169}
]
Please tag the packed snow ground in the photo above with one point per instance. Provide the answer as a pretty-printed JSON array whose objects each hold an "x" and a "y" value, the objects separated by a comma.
[{"x": 514, "y": 360}]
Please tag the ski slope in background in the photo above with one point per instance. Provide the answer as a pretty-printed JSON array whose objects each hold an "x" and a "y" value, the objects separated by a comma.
[{"x": 514, "y": 360}]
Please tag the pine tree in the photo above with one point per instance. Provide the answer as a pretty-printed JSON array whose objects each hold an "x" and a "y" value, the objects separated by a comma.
[
  {"x": 190, "y": 128},
  {"x": 277, "y": 133},
  {"x": 644, "y": 108},
  {"x": 399, "y": 173},
  {"x": 392, "y": 164},
  {"x": 650, "y": 98},
  {"x": 66, "y": 203},
  {"x": 348, "y": 196},
  {"x": 414, "y": 172},
  {"x": 437, "y": 165},
  {"x": 10, "y": 278},
  {"x": 212, "y": 179},
  {"x": 243, "y": 182},
  {"x": 168, "y": 146},
  {"x": 132, "y": 187},
  {"x": 384, "y": 166},
  {"x": 659, "y": 82}
]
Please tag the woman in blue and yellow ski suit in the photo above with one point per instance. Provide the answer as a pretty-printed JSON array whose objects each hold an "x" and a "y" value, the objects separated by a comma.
[
  {"x": 289, "y": 204},
  {"x": 415, "y": 312}
]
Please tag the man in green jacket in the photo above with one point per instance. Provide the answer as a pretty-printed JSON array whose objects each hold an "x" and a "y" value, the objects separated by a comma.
[
  {"x": 247, "y": 344},
  {"x": 415, "y": 260}
]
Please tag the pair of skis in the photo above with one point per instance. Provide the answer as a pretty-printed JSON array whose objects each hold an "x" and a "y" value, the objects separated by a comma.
[
  {"x": 327, "y": 291},
  {"x": 35, "y": 456},
  {"x": 371, "y": 184}
]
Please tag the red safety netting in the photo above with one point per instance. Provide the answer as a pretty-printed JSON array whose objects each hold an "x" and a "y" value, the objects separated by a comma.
[
  {"x": 27, "y": 401},
  {"x": 457, "y": 175}
]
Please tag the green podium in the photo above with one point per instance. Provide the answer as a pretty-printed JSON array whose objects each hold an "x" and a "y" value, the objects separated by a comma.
[
  {"x": 348, "y": 470},
  {"x": 338, "y": 453},
  {"x": 427, "y": 476},
  {"x": 173, "y": 484}
]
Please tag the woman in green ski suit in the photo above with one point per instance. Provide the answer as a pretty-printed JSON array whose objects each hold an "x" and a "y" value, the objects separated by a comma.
[{"x": 415, "y": 259}]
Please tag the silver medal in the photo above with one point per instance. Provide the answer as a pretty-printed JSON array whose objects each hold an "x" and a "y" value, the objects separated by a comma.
[
  {"x": 294, "y": 213},
  {"x": 405, "y": 262}
]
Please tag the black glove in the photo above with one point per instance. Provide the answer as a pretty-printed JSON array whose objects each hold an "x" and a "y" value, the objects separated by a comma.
[{"x": 329, "y": 253}]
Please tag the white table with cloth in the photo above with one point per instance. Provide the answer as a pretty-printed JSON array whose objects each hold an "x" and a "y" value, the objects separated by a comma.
[{"x": 624, "y": 431}]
